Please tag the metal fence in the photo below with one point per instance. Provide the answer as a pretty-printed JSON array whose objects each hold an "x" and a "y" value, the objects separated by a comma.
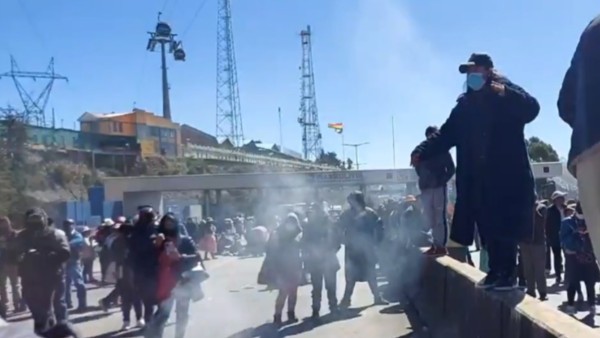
[{"x": 211, "y": 153}]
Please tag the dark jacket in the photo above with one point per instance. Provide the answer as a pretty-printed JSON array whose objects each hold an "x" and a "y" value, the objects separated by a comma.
[
  {"x": 578, "y": 101},
  {"x": 42, "y": 255},
  {"x": 142, "y": 251},
  {"x": 538, "y": 233},
  {"x": 436, "y": 172},
  {"x": 553, "y": 225},
  {"x": 492, "y": 162}
]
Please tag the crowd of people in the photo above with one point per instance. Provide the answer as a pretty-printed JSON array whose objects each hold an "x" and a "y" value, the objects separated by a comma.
[{"x": 156, "y": 263}]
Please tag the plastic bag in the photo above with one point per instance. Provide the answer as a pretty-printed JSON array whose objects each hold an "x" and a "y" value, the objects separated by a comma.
[{"x": 190, "y": 284}]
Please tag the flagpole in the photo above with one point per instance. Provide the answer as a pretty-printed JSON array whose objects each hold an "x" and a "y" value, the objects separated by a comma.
[
  {"x": 393, "y": 143},
  {"x": 343, "y": 146}
]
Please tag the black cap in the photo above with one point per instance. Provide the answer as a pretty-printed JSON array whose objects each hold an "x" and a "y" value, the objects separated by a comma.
[{"x": 476, "y": 59}]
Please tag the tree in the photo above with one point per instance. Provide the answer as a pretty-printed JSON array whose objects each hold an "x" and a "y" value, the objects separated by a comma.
[
  {"x": 540, "y": 151},
  {"x": 330, "y": 158}
]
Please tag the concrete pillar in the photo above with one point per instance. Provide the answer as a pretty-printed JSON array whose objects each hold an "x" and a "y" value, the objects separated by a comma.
[
  {"x": 218, "y": 197},
  {"x": 206, "y": 203},
  {"x": 132, "y": 200}
]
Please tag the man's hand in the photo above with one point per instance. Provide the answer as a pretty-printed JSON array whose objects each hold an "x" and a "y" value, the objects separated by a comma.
[
  {"x": 498, "y": 88},
  {"x": 160, "y": 238}
]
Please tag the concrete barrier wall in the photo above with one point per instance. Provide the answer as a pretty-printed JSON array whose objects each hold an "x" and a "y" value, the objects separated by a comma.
[{"x": 448, "y": 300}]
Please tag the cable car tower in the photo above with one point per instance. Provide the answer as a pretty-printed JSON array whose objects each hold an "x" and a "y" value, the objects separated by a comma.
[
  {"x": 34, "y": 106},
  {"x": 163, "y": 35},
  {"x": 229, "y": 112},
  {"x": 309, "y": 114}
]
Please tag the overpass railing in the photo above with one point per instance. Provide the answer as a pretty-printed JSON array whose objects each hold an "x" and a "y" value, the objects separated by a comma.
[{"x": 211, "y": 153}]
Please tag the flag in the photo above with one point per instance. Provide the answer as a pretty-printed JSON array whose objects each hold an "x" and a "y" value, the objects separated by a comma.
[{"x": 338, "y": 127}]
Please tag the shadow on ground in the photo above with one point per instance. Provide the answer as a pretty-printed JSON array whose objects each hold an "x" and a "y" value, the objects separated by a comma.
[{"x": 270, "y": 330}]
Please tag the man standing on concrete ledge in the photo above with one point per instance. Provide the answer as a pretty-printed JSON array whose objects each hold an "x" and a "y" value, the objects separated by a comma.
[
  {"x": 579, "y": 107},
  {"x": 487, "y": 128},
  {"x": 434, "y": 175}
]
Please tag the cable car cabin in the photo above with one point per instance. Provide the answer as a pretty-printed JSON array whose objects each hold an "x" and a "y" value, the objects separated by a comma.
[
  {"x": 163, "y": 30},
  {"x": 179, "y": 54}
]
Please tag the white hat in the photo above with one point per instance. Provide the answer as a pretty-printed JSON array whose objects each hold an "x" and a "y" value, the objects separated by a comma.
[
  {"x": 85, "y": 229},
  {"x": 108, "y": 222},
  {"x": 557, "y": 194}
]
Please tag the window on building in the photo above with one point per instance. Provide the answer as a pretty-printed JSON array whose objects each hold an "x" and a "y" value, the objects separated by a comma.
[{"x": 117, "y": 127}]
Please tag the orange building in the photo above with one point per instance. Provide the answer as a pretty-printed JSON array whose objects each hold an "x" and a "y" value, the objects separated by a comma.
[{"x": 155, "y": 134}]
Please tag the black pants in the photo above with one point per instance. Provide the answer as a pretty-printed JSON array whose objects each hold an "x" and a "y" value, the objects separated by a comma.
[
  {"x": 39, "y": 299},
  {"x": 146, "y": 288},
  {"x": 556, "y": 251},
  {"x": 112, "y": 296},
  {"x": 130, "y": 298},
  {"x": 317, "y": 276},
  {"x": 502, "y": 255},
  {"x": 575, "y": 288}
]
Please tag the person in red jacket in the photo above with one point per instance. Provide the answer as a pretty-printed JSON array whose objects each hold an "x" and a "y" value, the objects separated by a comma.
[{"x": 177, "y": 254}]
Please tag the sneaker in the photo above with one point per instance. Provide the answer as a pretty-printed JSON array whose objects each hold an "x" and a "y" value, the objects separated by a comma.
[
  {"x": 593, "y": 310},
  {"x": 141, "y": 323},
  {"x": 570, "y": 310},
  {"x": 126, "y": 326},
  {"x": 380, "y": 301},
  {"x": 292, "y": 317},
  {"x": 315, "y": 314},
  {"x": 103, "y": 305},
  {"x": 432, "y": 251},
  {"x": 488, "y": 282},
  {"x": 505, "y": 284}
]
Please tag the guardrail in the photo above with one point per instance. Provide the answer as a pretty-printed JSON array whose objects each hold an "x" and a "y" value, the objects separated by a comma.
[{"x": 211, "y": 153}]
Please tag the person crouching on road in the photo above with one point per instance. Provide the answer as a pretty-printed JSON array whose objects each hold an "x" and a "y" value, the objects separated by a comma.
[
  {"x": 434, "y": 175},
  {"x": 43, "y": 252},
  {"x": 581, "y": 265},
  {"x": 282, "y": 268},
  {"x": 177, "y": 254}
]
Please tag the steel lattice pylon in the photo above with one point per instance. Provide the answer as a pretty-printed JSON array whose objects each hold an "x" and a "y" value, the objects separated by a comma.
[
  {"x": 309, "y": 114},
  {"x": 34, "y": 106},
  {"x": 229, "y": 115}
]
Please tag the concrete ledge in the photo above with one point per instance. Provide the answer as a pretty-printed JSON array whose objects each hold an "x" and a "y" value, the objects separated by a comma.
[{"x": 448, "y": 300}]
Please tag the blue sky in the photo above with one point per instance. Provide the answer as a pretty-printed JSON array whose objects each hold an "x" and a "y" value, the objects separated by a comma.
[{"x": 373, "y": 59}]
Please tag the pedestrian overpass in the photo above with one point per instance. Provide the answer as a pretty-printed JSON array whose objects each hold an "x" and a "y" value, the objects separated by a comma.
[{"x": 148, "y": 190}]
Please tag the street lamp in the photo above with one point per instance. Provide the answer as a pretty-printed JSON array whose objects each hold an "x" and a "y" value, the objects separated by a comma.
[
  {"x": 356, "y": 145},
  {"x": 163, "y": 35}
]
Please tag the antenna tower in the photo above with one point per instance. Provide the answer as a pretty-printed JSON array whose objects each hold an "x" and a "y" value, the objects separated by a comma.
[
  {"x": 309, "y": 114},
  {"x": 33, "y": 105},
  {"x": 229, "y": 115}
]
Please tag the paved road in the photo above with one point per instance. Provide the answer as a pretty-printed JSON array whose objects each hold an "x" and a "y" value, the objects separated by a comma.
[{"x": 236, "y": 307}]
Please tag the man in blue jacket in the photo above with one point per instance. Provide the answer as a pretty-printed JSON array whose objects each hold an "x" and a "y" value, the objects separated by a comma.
[
  {"x": 74, "y": 270},
  {"x": 579, "y": 107},
  {"x": 487, "y": 128},
  {"x": 434, "y": 175}
]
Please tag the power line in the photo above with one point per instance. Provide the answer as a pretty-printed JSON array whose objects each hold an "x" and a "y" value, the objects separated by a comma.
[
  {"x": 194, "y": 17},
  {"x": 34, "y": 27}
]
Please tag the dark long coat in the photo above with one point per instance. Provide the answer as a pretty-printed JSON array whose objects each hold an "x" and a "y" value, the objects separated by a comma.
[
  {"x": 578, "y": 101},
  {"x": 489, "y": 125}
]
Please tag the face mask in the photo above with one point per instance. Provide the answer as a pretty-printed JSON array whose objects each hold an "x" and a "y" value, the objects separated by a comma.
[{"x": 475, "y": 81}]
